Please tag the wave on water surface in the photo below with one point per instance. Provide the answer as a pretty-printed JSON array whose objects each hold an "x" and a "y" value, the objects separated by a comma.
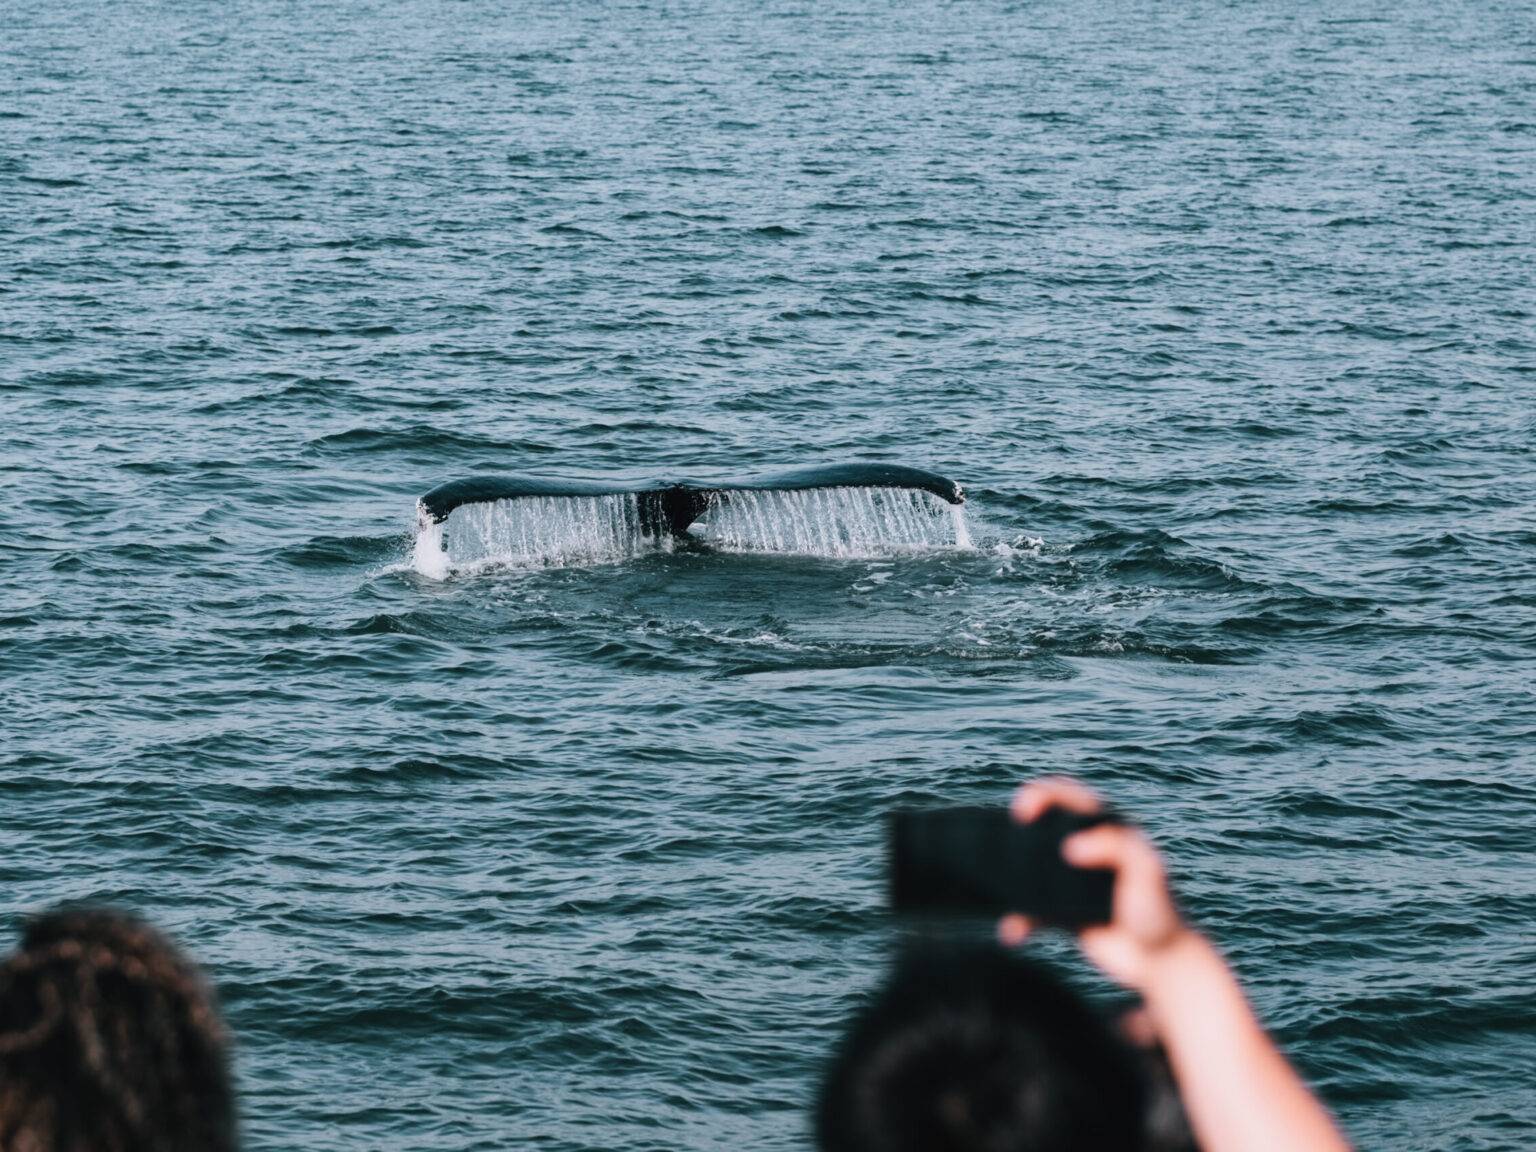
[{"x": 568, "y": 531}]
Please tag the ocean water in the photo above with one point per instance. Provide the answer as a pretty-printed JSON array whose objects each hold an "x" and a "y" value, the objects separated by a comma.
[{"x": 1223, "y": 314}]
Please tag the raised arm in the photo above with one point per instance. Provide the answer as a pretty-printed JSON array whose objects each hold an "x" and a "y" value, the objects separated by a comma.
[{"x": 1239, "y": 1091}]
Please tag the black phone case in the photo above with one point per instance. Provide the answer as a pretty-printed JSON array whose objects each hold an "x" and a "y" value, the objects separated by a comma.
[{"x": 980, "y": 861}]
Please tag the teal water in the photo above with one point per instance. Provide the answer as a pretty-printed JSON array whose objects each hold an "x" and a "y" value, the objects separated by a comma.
[{"x": 1222, "y": 313}]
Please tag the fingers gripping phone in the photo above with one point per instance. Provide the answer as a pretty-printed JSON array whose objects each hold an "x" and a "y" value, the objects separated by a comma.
[{"x": 981, "y": 861}]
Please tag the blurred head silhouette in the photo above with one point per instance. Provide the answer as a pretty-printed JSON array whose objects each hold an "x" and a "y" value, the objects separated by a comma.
[
  {"x": 109, "y": 1042},
  {"x": 971, "y": 1049}
]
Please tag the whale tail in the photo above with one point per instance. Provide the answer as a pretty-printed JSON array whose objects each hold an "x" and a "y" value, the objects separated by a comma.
[
  {"x": 673, "y": 506},
  {"x": 845, "y": 511}
]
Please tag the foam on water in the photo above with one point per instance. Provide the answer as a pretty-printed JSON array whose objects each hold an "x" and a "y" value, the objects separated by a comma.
[{"x": 565, "y": 531}]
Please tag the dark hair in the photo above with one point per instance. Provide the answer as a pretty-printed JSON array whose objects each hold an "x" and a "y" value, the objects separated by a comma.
[
  {"x": 110, "y": 1041},
  {"x": 971, "y": 1049}
]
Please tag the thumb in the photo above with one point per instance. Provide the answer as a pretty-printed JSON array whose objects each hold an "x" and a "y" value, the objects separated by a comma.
[{"x": 1106, "y": 846}]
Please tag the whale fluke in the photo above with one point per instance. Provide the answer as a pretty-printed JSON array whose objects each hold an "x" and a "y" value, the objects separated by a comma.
[{"x": 672, "y": 506}]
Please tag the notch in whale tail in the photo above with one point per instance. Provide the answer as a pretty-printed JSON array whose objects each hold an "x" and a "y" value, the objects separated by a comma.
[{"x": 673, "y": 507}]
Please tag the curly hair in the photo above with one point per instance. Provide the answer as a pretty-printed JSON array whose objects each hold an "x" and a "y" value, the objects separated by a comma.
[{"x": 110, "y": 1041}]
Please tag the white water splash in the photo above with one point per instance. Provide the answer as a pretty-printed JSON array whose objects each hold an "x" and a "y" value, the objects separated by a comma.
[
  {"x": 427, "y": 555},
  {"x": 565, "y": 531},
  {"x": 838, "y": 522}
]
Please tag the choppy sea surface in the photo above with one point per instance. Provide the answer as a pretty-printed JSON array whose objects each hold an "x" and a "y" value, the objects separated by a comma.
[{"x": 1223, "y": 314}]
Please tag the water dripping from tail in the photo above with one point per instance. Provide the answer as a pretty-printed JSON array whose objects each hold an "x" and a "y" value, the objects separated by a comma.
[
  {"x": 535, "y": 532},
  {"x": 843, "y": 523}
]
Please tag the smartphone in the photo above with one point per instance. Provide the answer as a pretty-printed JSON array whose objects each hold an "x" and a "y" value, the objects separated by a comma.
[{"x": 981, "y": 861}]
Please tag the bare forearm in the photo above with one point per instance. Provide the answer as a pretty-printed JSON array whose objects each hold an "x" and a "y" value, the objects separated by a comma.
[{"x": 1238, "y": 1089}]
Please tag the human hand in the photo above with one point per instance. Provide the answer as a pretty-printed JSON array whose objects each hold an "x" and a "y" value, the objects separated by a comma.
[{"x": 1144, "y": 922}]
